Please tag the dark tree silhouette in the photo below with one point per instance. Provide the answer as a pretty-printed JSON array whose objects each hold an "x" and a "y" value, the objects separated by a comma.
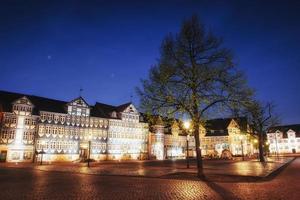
[
  {"x": 194, "y": 73},
  {"x": 261, "y": 117}
]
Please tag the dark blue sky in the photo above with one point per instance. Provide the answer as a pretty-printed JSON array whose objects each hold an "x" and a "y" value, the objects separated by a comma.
[{"x": 52, "y": 48}]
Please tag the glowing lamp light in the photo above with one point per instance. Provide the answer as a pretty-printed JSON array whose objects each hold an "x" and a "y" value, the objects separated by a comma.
[
  {"x": 188, "y": 137},
  {"x": 187, "y": 125},
  {"x": 255, "y": 141}
]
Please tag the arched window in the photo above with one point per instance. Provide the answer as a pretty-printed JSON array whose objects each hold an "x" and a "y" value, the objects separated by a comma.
[{"x": 114, "y": 114}]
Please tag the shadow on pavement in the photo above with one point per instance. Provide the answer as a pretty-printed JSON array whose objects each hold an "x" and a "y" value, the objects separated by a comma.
[
  {"x": 224, "y": 193},
  {"x": 212, "y": 178}
]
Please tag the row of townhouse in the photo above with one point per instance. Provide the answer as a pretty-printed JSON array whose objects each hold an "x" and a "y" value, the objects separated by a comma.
[
  {"x": 32, "y": 127},
  {"x": 218, "y": 137}
]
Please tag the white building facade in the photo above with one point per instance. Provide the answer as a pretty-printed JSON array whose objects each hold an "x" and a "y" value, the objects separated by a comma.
[
  {"x": 217, "y": 137},
  {"x": 284, "y": 139},
  {"x": 34, "y": 127}
]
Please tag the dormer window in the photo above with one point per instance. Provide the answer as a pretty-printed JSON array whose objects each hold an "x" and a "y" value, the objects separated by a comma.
[
  {"x": 22, "y": 106},
  {"x": 78, "y": 107},
  {"x": 114, "y": 114}
]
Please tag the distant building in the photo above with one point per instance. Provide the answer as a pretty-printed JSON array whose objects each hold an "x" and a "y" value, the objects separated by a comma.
[{"x": 284, "y": 139}]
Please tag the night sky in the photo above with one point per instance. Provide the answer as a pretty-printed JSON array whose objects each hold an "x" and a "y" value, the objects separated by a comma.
[{"x": 52, "y": 49}]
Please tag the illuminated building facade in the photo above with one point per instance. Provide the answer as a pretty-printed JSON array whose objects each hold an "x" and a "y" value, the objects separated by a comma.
[
  {"x": 35, "y": 127},
  {"x": 169, "y": 141},
  {"x": 67, "y": 131},
  {"x": 233, "y": 134},
  {"x": 284, "y": 139}
]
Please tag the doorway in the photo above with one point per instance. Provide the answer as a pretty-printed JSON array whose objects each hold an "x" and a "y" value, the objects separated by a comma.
[
  {"x": 83, "y": 153},
  {"x": 3, "y": 155}
]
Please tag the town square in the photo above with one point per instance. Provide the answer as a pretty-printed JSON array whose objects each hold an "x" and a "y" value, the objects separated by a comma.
[{"x": 149, "y": 99}]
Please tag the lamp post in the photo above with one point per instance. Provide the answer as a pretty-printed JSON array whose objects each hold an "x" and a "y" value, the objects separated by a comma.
[
  {"x": 187, "y": 127},
  {"x": 255, "y": 142},
  {"x": 42, "y": 152},
  {"x": 242, "y": 147},
  {"x": 267, "y": 145},
  {"x": 89, "y": 155},
  {"x": 140, "y": 153},
  {"x": 276, "y": 146}
]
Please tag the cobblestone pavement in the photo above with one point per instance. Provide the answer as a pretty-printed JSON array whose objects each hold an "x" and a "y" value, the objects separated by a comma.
[
  {"x": 161, "y": 168},
  {"x": 36, "y": 184},
  {"x": 285, "y": 186}
]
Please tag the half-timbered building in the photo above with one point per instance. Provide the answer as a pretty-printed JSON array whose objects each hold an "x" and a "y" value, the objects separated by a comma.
[{"x": 33, "y": 126}]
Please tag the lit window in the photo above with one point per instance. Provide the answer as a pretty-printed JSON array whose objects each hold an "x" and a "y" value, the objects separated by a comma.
[{"x": 78, "y": 111}]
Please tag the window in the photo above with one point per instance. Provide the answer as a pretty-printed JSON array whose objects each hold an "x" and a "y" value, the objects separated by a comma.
[
  {"x": 78, "y": 111},
  {"x": 43, "y": 116},
  {"x": 25, "y": 135},
  {"x": 15, "y": 156},
  {"x": 114, "y": 114},
  {"x": 27, "y": 155},
  {"x": 48, "y": 129},
  {"x": 56, "y": 118},
  {"x": 27, "y": 121},
  {"x": 11, "y": 134}
]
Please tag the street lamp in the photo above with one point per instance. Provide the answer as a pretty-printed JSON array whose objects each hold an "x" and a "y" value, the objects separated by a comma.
[
  {"x": 267, "y": 144},
  {"x": 140, "y": 153},
  {"x": 187, "y": 127},
  {"x": 255, "y": 142},
  {"x": 276, "y": 146},
  {"x": 242, "y": 147},
  {"x": 89, "y": 155},
  {"x": 42, "y": 152}
]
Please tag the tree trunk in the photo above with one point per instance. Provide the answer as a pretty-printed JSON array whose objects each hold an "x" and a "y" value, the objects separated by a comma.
[
  {"x": 198, "y": 150},
  {"x": 260, "y": 147}
]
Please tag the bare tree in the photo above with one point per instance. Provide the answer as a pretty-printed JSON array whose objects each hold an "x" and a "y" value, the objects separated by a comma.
[
  {"x": 193, "y": 74},
  {"x": 261, "y": 117}
]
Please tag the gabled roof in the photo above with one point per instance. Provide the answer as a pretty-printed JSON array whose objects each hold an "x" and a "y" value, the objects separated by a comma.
[
  {"x": 78, "y": 98},
  {"x": 122, "y": 107},
  {"x": 285, "y": 128},
  {"x": 40, "y": 103},
  {"x": 242, "y": 122},
  {"x": 52, "y": 105},
  {"x": 103, "y": 110},
  {"x": 218, "y": 127},
  {"x": 217, "y": 124}
]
